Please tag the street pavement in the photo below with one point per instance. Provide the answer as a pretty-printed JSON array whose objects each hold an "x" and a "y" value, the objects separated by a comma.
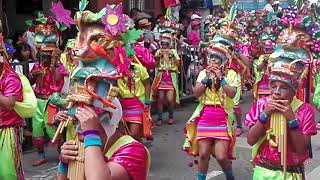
[{"x": 169, "y": 162}]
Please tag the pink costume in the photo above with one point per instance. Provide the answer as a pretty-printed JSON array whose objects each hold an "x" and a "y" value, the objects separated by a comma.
[
  {"x": 10, "y": 85},
  {"x": 46, "y": 85},
  {"x": 132, "y": 156},
  {"x": 194, "y": 37},
  {"x": 268, "y": 154}
]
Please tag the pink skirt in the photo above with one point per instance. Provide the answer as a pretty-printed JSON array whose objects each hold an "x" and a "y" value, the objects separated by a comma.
[
  {"x": 166, "y": 82},
  {"x": 132, "y": 110},
  {"x": 212, "y": 123}
]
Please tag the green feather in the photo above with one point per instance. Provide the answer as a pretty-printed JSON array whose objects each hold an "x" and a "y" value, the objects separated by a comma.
[
  {"x": 83, "y": 4},
  {"x": 62, "y": 27},
  {"x": 225, "y": 5},
  {"x": 129, "y": 51},
  {"x": 101, "y": 13},
  {"x": 298, "y": 3},
  {"x": 28, "y": 22},
  {"x": 233, "y": 12},
  {"x": 131, "y": 36}
]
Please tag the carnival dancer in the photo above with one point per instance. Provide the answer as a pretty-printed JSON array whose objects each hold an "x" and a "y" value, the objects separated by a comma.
[
  {"x": 260, "y": 66},
  {"x": 134, "y": 96},
  {"x": 11, "y": 124},
  {"x": 210, "y": 129},
  {"x": 48, "y": 73},
  {"x": 165, "y": 84},
  {"x": 122, "y": 158},
  {"x": 286, "y": 73},
  {"x": 101, "y": 149},
  {"x": 49, "y": 78}
]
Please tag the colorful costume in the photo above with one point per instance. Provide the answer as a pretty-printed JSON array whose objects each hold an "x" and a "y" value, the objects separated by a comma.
[
  {"x": 133, "y": 98},
  {"x": 266, "y": 155},
  {"x": 44, "y": 72},
  {"x": 167, "y": 70},
  {"x": 288, "y": 64},
  {"x": 104, "y": 46},
  {"x": 10, "y": 128},
  {"x": 213, "y": 103}
]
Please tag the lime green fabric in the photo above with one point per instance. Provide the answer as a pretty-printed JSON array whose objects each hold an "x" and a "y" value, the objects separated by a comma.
[
  {"x": 71, "y": 131},
  {"x": 26, "y": 108},
  {"x": 10, "y": 154},
  {"x": 40, "y": 121},
  {"x": 261, "y": 173},
  {"x": 316, "y": 95},
  {"x": 256, "y": 63}
]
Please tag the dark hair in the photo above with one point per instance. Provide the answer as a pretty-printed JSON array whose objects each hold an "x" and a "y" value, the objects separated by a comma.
[
  {"x": 16, "y": 37},
  {"x": 21, "y": 47},
  {"x": 134, "y": 12}
]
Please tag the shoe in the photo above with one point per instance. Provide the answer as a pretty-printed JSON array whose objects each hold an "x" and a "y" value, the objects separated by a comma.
[
  {"x": 318, "y": 126},
  {"x": 40, "y": 161},
  {"x": 239, "y": 131},
  {"x": 159, "y": 123},
  {"x": 170, "y": 121}
]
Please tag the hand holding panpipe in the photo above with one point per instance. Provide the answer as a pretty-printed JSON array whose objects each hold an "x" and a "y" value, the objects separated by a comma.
[{"x": 113, "y": 92}]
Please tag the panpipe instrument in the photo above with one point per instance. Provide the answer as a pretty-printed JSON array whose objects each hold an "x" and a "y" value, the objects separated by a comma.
[
  {"x": 80, "y": 95},
  {"x": 76, "y": 167},
  {"x": 278, "y": 128}
]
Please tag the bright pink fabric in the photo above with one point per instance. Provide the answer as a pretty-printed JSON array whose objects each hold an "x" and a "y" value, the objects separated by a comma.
[
  {"x": 49, "y": 86},
  {"x": 194, "y": 37},
  {"x": 134, "y": 158},
  {"x": 307, "y": 126},
  {"x": 10, "y": 85},
  {"x": 171, "y": 3}
]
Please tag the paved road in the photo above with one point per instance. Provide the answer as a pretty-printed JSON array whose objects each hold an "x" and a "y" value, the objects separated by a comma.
[{"x": 169, "y": 162}]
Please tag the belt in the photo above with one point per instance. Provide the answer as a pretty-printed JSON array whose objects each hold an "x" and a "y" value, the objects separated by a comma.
[{"x": 291, "y": 169}]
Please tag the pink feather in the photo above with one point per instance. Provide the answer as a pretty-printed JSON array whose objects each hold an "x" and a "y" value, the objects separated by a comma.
[{"x": 62, "y": 15}]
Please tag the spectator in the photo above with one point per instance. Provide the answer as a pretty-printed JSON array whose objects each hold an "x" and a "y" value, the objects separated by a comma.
[
  {"x": 19, "y": 37},
  {"x": 194, "y": 34},
  {"x": 23, "y": 55}
]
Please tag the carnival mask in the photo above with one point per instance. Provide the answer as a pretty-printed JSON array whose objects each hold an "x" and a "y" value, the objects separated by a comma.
[{"x": 294, "y": 37}]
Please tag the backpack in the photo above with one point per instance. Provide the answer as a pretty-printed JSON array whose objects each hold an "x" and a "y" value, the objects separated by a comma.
[{"x": 28, "y": 106}]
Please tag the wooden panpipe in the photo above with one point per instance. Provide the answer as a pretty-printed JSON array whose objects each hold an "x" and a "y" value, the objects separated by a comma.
[
  {"x": 76, "y": 167},
  {"x": 81, "y": 97},
  {"x": 279, "y": 130}
]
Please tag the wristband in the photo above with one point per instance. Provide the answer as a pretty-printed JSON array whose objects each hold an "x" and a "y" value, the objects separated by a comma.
[
  {"x": 293, "y": 124},
  {"x": 90, "y": 132},
  {"x": 223, "y": 82},
  {"x": 92, "y": 140},
  {"x": 263, "y": 118},
  {"x": 62, "y": 168},
  {"x": 207, "y": 82}
]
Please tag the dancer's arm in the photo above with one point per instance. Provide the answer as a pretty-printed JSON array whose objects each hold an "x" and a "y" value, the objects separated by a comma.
[
  {"x": 147, "y": 87},
  {"x": 95, "y": 165},
  {"x": 258, "y": 130},
  {"x": 7, "y": 103}
]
